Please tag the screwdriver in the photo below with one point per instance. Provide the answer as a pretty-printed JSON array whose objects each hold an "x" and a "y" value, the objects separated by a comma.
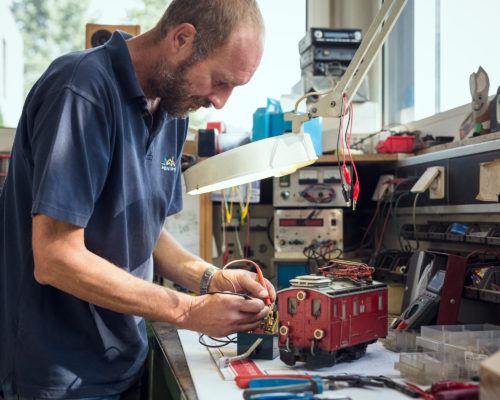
[
  {"x": 243, "y": 380},
  {"x": 314, "y": 385}
]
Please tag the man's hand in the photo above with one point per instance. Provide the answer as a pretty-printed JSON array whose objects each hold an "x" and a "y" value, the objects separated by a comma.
[
  {"x": 241, "y": 281},
  {"x": 222, "y": 314}
]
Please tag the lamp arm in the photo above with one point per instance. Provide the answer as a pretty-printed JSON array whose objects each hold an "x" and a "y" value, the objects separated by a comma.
[{"x": 330, "y": 105}]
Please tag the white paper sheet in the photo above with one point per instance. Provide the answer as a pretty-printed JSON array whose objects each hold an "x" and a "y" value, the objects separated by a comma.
[{"x": 210, "y": 385}]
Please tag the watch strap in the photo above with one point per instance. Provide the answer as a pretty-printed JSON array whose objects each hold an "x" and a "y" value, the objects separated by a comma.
[{"x": 207, "y": 277}]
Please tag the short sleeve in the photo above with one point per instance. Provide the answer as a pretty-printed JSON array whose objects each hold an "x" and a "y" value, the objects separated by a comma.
[{"x": 71, "y": 145}]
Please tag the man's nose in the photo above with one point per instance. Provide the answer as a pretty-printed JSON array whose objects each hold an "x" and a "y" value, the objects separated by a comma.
[{"x": 220, "y": 97}]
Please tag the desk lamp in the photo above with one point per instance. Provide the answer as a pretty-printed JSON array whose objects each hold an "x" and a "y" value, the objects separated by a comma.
[{"x": 284, "y": 154}]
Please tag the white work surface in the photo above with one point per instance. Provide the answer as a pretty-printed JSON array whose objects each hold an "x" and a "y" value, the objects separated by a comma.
[{"x": 210, "y": 385}]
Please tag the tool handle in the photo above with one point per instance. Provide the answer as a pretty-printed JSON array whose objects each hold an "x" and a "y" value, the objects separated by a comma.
[
  {"x": 458, "y": 394},
  {"x": 242, "y": 381},
  {"x": 313, "y": 385},
  {"x": 265, "y": 382},
  {"x": 284, "y": 396}
]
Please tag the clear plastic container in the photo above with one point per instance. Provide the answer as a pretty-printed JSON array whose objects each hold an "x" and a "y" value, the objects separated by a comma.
[
  {"x": 400, "y": 341},
  {"x": 449, "y": 352},
  {"x": 425, "y": 368}
]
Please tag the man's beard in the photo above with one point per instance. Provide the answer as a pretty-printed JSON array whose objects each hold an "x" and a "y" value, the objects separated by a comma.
[{"x": 171, "y": 87}]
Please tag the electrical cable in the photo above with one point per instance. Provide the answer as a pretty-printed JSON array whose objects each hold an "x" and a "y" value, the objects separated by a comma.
[
  {"x": 307, "y": 195},
  {"x": 484, "y": 250},
  {"x": 396, "y": 223},
  {"x": 393, "y": 211},
  {"x": 347, "y": 175},
  {"x": 268, "y": 230},
  {"x": 356, "y": 188},
  {"x": 224, "y": 362},
  {"x": 342, "y": 268},
  {"x": 384, "y": 128},
  {"x": 373, "y": 219},
  {"x": 295, "y": 109},
  {"x": 342, "y": 178},
  {"x": 415, "y": 220},
  {"x": 379, "y": 244},
  {"x": 259, "y": 274},
  {"x": 247, "y": 245},
  {"x": 224, "y": 247},
  {"x": 215, "y": 346}
]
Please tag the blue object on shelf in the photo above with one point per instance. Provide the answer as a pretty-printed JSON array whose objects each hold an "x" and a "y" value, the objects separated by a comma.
[
  {"x": 314, "y": 129},
  {"x": 263, "y": 119},
  {"x": 270, "y": 121},
  {"x": 459, "y": 229}
]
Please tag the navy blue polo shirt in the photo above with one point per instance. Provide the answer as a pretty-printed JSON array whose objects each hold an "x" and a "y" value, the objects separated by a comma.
[{"x": 87, "y": 152}]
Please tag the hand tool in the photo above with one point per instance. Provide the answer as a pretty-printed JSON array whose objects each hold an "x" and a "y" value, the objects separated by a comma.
[
  {"x": 390, "y": 383},
  {"x": 354, "y": 380},
  {"x": 422, "y": 393},
  {"x": 458, "y": 394},
  {"x": 259, "y": 386},
  {"x": 450, "y": 385},
  {"x": 243, "y": 380},
  {"x": 293, "y": 396}
]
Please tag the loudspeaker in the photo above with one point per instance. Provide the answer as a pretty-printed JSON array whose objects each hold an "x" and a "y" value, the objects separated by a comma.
[{"x": 97, "y": 35}]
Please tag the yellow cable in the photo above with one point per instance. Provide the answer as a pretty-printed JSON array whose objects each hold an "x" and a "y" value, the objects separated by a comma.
[
  {"x": 307, "y": 95},
  {"x": 229, "y": 210}
]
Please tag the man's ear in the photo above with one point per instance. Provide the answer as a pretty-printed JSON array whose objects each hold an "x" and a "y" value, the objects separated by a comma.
[{"x": 182, "y": 37}]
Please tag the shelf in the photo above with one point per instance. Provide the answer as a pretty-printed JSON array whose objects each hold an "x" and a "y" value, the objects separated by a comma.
[
  {"x": 489, "y": 296},
  {"x": 461, "y": 143},
  {"x": 366, "y": 158}
]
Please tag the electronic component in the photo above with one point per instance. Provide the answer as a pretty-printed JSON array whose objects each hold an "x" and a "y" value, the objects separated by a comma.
[
  {"x": 235, "y": 240},
  {"x": 296, "y": 229},
  {"x": 308, "y": 187},
  {"x": 425, "y": 308},
  {"x": 328, "y": 37}
]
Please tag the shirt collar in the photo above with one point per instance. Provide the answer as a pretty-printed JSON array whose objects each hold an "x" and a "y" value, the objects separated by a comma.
[{"x": 122, "y": 64}]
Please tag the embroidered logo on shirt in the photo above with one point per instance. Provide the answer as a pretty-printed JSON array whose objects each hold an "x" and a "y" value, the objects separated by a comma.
[{"x": 168, "y": 164}]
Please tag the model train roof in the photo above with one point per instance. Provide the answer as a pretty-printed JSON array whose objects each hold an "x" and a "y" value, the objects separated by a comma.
[{"x": 333, "y": 286}]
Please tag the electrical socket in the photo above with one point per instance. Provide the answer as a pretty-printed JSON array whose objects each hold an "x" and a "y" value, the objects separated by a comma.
[
  {"x": 436, "y": 188},
  {"x": 425, "y": 180}
]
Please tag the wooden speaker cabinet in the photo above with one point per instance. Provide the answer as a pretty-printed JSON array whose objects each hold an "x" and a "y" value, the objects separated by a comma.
[{"x": 97, "y": 34}]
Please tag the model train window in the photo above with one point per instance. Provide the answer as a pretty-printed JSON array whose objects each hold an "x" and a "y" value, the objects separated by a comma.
[
  {"x": 292, "y": 305},
  {"x": 335, "y": 310},
  {"x": 344, "y": 310},
  {"x": 380, "y": 302},
  {"x": 316, "y": 308},
  {"x": 361, "y": 308},
  {"x": 355, "y": 307}
]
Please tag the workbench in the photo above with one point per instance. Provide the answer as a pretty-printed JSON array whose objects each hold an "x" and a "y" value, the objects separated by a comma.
[{"x": 171, "y": 375}]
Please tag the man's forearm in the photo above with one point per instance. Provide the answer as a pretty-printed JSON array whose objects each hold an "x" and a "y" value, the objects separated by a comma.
[
  {"x": 62, "y": 261},
  {"x": 175, "y": 263}
]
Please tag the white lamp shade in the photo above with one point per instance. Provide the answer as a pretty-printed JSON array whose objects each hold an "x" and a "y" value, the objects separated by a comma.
[{"x": 274, "y": 156}]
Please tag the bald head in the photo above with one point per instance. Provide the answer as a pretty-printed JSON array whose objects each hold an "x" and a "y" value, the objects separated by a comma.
[{"x": 214, "y": 20}]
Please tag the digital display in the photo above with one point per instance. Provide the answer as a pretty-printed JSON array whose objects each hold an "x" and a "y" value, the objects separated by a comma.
[
  {"x": 337, "y": 35},
  {"x": 301, "y": 221}
]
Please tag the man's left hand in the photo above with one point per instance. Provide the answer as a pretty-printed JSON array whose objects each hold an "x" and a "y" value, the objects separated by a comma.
[{"x": 241, "y": 281}]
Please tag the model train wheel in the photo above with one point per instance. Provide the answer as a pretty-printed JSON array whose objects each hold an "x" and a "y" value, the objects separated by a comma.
[
  {"x": 288, "y": 357},
  {"x": 321, "y": 360},
  {"x": 358, "y": 351}
]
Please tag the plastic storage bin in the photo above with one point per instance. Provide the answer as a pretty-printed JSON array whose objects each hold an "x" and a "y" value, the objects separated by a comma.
[
  {"x": 449, "y": 352},
  {"x": 396, "y": 144}
]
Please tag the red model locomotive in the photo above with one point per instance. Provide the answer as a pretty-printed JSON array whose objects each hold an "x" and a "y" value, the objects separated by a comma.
[{"x": 325, "y": 320}]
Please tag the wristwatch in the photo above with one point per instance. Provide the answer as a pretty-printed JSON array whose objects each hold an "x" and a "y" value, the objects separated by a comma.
[{"x": 207, "y": 277}]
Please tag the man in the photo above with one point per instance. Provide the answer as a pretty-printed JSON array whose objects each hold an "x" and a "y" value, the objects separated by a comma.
[{"x": 82, "y": 209}]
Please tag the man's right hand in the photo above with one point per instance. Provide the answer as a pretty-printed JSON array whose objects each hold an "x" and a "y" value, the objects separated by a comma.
[{"x": 219, "y": 315}]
